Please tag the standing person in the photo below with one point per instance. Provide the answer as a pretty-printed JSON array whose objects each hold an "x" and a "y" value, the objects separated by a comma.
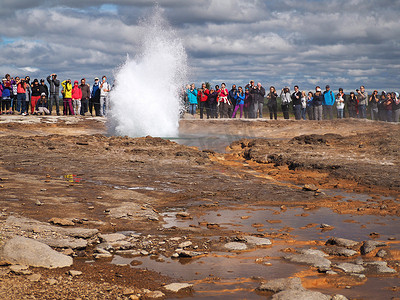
[
  {"x": 310, "y": 106},
  {"x": 352, "y": 105},
  {"x": 381, "y": 106},
  {"x": 94, "y": 102},
  {"x": 239, "y": 100},
  {"x": 373, "y": 102},
  {"x": 85, "y": 89},
  {"x": 303, "y": 105},
  {"x": 272, "y": 103},
  {"x": 43, "y": 88},
  {"x": 223, "y": 101},
  {"x": 212, "y": 103},
  {"x": 192, "y": 98},
  {"x": 76, "y": 95},
  {"x": 67, "y": 97},
  {"x": 342, "y": 95},
  {"x": 317, "y": 102},
  {"x": 362, "y": 98},
  {"x": 340, "y": 99},
  {"x": 285, "y": 99},
  {"x": 28, "y": 93},
  {"x": 203, "y": 97},
  {"x": 35, "y": 94},
  {"x": 247, "y": 103},
  {"x": 232, "y": 99},
  {"x": 329, "y": 101},
  {"x": 104, "y": 90},
  {"x": 388, "y": 107},
  {"x": 296, "y": 99},
  {"x": 251, "y": 101},
  {"x": 396, "y": 108},
  {"x": 258, "y": 94},
  {"x": 14, "y": 95},
  {"x": 54, "y": 93},
  {"x": 6, "y": 96},
  {"x": 21, "y": 96}
]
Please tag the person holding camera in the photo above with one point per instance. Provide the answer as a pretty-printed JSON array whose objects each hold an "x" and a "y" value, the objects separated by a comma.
[
  {"x": 223, "y": 101},
  {"x": 272, "y": 103},
  {"x": 67, "y": 97},
  {"x": 76, "y": 98},
  {"x": 21, "y": 96},
  {"x": 203, "y": 97},
  {"x": 286, "y": 99},
  {"x": 317, "y": 102},
  {"x": 239, "y": 100},
  {"x": 104, "y": 90},
  {"x": 35, "y": 94},
  {"x": 192, "y": 98},
  {"x": 373, "y": 101},
  {"x": 296, "y": 99},
  {"x": 54, "y": 93},
  {"x": 362, "y": 97},
  {"x": 329, "y": 101}
]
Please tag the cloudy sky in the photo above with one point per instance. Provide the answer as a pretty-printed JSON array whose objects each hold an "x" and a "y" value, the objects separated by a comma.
[{"x": 343, "y": 43}]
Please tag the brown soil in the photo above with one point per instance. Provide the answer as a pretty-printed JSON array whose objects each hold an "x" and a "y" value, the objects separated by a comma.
[{"x": 77, "y": 172}]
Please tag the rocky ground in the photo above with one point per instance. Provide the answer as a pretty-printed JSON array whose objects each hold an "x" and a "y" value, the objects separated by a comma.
[{"x": 87, "y": 216}]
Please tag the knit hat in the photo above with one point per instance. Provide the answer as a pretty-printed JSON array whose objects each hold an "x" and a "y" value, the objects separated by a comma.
[{"x": 43, "y": 94}]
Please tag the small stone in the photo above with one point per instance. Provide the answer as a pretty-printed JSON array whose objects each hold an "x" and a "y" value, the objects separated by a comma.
[
  {"x": 184, "y": 253},
  {"x": 176, "y": 287},
  {"x": 34, "y": 277},
  {"x": 235, "y": 246},
  {"x": 350, "y": 268},
  {"x": 185, "y": 244},
  {"x": 133, "y": 297},
  {"x": 52, "y": 281},
  {"x": 20, "y": 269},
  {"x": 74, "y": 273},
  {"x": 155, "y": 294},
  {"x": 68, "y": 251},
  {"x": 90, "y": 207},
  {"x": 144, "y": 253},
  {"x": 339, "y": 297},
  {"x": 369, "y": 246},
  {"x": 61, "y": 221},
  {"x": 310, "y": 187},
  {"x": 341, "y": 242},
  {"x": 257, "y": 241},
  {"x": 128, "y": 292},
  {"x": 38, "y": 203},
  {"x": 183, "y": 214},
  {"x": 381, "y": 253},
  {"x": 281, "y": 284},
  {"x": 175, "y": 255}
]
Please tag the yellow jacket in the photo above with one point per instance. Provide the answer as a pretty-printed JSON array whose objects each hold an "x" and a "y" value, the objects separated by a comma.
[{"x": 67, "y": 89}]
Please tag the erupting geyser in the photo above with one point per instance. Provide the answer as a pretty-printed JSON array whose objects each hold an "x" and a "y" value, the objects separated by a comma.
[{"x": 146, "y": 97}]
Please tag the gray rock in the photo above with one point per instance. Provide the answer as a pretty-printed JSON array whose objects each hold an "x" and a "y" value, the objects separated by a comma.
[
  {"x": 330, "y": 272},
  {"x": 34, "y": 277},
  {"x": 112, "y": 237},
  {"x": 235, "y": 246},
  {"x": 342, "y": 242},
  {"x": 20, "y": 269},
  {"x": 131, "y": 210},
  {"x": 52, "y": 281},
  {"x": 281, "y": 284},
  {"x": 40, "y": 227},
  {"x": 128, "y": 252},
  {"x": 309, "y": 259},
  {"x": 26, "y": 251},
  {"x": 155, "y": 294},
  {"x": 369, "y": 246},
  {"x": 340, "y": 251},
  {"x": 74, "y": 273},
  {"x": 176, "y": 287},
  {"x": 67, "y": 242},
  {"x": 144, "y": 253},
  {"x": 379, "y": 267},
  {"x": 381, "y": 253},
  {"x": 185, "y": 244},
  {"x": 185, "y": 253},
  {"x": 314, "y": 252},
  {"x": 350, "y": 268},
  {"x": 256, "y": 240},
  {"x": 339, "y": 297},
  {"x": 102, "y": 255},
  {"x": 300, "y": 295}
]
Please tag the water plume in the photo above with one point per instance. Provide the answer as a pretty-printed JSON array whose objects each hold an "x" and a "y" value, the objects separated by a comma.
[{"x": 146, "y": 97}]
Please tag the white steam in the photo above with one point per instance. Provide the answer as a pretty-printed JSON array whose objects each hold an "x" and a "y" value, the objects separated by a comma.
[{"x": 146, "y": 97}]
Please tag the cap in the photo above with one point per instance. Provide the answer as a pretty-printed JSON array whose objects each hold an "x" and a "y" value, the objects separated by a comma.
[
  {"x": 327, "y": 86},
  {"x": 43, "y": 94},
  {"x": 42, "y": 80},
  {"x": 76, "y": 81},
  {"x": 96, "y": 78},
  {"x": 318, "y": 90}
]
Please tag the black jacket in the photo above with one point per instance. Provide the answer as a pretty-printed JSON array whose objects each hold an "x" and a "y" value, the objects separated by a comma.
[
  {"x": 296, "y": 101},
  {"x": 258, "y": 95},
  {"x": 317, "y": 100}
]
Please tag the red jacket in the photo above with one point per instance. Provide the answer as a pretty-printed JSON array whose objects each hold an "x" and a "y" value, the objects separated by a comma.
[
  {"x": 76, "y": 92},
  {"x": 203, "y": 95}
]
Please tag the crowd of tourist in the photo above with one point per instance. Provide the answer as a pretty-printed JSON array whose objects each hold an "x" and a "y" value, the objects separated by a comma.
[
  {"x": 18, "y": 95},
  {"x": 313, "y": 105}
]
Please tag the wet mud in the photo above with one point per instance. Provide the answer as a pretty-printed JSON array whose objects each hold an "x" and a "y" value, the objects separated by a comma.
[{"x": 179, "y": 201}]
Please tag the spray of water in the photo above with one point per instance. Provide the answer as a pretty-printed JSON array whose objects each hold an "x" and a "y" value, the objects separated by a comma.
[{"x": 146, "y": 99}]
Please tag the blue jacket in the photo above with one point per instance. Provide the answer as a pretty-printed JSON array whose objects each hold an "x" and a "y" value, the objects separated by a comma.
[
  {"x": 329, "y": 98},
  {"x": 192, "y": 96},
  {"x": 240, "y": 98},
  {"x": 6, "y": 92}
]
